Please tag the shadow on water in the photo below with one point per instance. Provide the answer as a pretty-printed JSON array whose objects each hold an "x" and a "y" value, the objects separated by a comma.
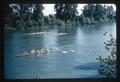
[
  {"x": 88, "y": 66},
  {"x": 96, "y": 76},
  {"x": 93, "y": 66}
]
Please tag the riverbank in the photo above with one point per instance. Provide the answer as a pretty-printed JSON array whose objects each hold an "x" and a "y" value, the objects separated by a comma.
[{"x": 53, "y": 26}]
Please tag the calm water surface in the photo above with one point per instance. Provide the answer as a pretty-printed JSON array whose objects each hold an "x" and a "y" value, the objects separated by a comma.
[{"x": 86, "y": 41}]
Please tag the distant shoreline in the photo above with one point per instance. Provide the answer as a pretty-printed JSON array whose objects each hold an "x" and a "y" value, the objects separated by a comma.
[{"x": 47, "y": 26}]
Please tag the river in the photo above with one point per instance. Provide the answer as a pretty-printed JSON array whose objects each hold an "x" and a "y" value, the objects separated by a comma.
[{"x": 77, "y": 59}]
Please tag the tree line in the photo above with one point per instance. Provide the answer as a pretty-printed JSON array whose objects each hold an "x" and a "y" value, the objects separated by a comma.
[{"x": 25, "y": 16}]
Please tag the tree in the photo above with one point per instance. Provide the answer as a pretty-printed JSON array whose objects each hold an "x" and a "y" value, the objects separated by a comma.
[
  {"x": 47, "y": 20},
  {"x": 110, "y": 12},
  {"x": 12, "y": 15},
  {"x": 66, "y": 11},
  {"x": 19, "y": 13},
  {"x": 82, "y": 19},
  {"x": 38, "y": 14},
  {"x": 89, "y": 10},
  {"x": 53, "y": 19},
  {"x": 25, "y": 15},
  {"x": 98, "y": 13}
]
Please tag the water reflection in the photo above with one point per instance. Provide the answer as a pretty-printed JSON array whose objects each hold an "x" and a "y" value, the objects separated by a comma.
[
  {"x": 50, "y": 40},
  {"x": 67, "y": 39}
]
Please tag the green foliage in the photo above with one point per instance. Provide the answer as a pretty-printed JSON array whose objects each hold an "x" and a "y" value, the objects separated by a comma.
[
  {"x": 108, "y": 64},
  {"x": 92, "y": 19},
  {"x": 47, "y": 20},
  {"x": 23, "y": 16},
  {"x": 21, "y": 24},
  {"x": 66, "y": 11},
  {"x": 37, "y": 13},
  {"x": 68, "y": 22},
  {"x": 73, "y": 22},
  {"x": 109, "y": 12},
  {"x": 60, "y": 22},
  {"x": 87, "y": 19},
  {"x": 51, "y": 20},
  {"x": 82, "y": 19},
  {"x": 77, "y": 22},
  {"x": 97, "y": 13}
]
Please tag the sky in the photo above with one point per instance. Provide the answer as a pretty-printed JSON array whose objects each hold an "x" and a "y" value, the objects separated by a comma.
[{"x": 49, "y": 8}]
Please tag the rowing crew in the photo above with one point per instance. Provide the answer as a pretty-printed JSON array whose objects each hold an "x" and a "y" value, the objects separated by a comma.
[
  {"x": 40, "y": 52},
  {"x": 45, "y": 33}
]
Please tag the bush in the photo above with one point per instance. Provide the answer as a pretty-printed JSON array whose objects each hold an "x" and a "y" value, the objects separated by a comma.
[
  {"x": 82, "y": 19},
  {"x": 60, "y": 22},
  {"x": 68, "y": 22},
  {"x": 47, "y": 20},
  {"x": 77, "y": 22},
  {"x": 29, "y": 23},
  {"x": 92, "y": 19},
  {"x": 108, "y": 64},
  {"x": 73, "y": 22},
  {"x": 20, "y": 24},
  {"x": 88, "y": 21}
]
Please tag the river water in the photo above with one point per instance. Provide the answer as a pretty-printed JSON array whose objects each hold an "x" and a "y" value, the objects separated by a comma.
[{"x": 77, "y": 59}]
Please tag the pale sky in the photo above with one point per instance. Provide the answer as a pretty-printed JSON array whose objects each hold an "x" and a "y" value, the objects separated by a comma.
[{"x": 49, "y": 8}]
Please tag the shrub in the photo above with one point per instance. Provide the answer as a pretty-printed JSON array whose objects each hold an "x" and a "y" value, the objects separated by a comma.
[
  {"x": 82, "y": 19},
  {"x": 68, "y": 22},
  {"x": 47, "y": 20},
  {"x": 73, "y": 22},
  {"x": 92, "y": 19},
  {"x": 60, "y": 22},
  {"x": 108, "y": 64},
  {"x": 88, "y": 21},
  {"x": 77, "y": 22}
]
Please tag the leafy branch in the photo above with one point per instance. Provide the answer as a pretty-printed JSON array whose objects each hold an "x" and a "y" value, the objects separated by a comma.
[{"x": 108, "y": 64}]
